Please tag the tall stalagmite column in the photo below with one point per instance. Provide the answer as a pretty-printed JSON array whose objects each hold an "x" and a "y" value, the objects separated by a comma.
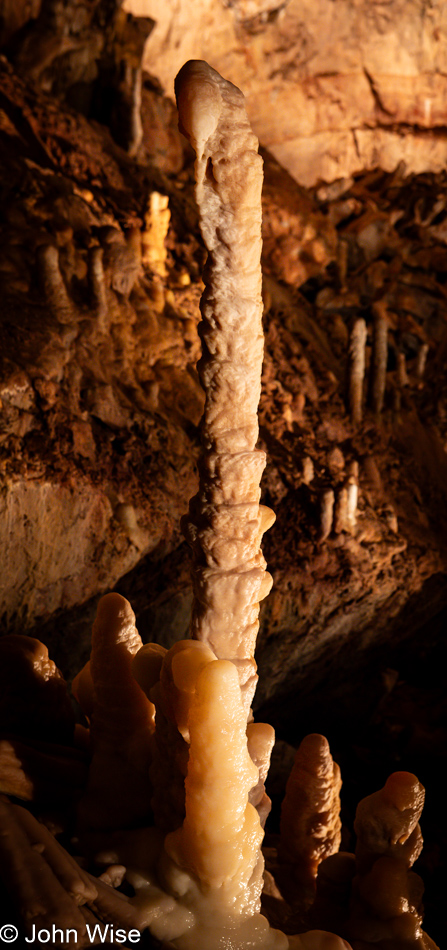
[{"x": 226, "y": 522}]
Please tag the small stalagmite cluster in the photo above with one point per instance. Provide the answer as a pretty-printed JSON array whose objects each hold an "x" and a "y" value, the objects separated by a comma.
[
  {"x": 172, "y": 800},
  {"x": 197, "y": 883}
]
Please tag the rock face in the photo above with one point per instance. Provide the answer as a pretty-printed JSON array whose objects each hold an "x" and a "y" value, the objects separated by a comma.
[
  {"x": 74, "y": 293},
  {"x": 56, "y": 532},
  {"x": 100, "y": 261},
  {"x": 101, "y": 402},
  {"x": 331, "y": 88}
]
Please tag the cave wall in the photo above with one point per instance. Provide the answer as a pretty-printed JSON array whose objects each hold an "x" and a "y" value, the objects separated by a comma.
[
  {"x": 100, "y": 405},
  {"x": 331, "y": 87},
  {"x": 100, "y": 258}
]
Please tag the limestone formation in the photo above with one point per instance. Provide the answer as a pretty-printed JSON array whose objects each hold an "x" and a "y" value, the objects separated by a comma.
[
  {"x": 310, "y": 815},
  {"x": 122, "y": 722},
  {"x": 330, "y": 88},
  {"x": 226, "y": 523}
]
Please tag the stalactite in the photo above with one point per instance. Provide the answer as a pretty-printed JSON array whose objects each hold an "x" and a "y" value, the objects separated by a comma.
[
  {"x": 326, "y": 513},
  {"x": 379, "y": 357},
  {"x": 98, "y": 286},
  {"x": 421, "y": 360},
  {"x": 156, "y": 226},
  {"x": 357, "y": 346},
  {"x": 341, "y": 510},
  {"x": 402, "y": 375},
  {"x": 342, "y": 263},
  {"x": 308, "y": 470},
  {"x": 52, "y": 283},
  {"x": 353, "y": 494}
]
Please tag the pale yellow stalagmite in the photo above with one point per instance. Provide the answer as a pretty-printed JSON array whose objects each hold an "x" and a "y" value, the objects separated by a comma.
[
  {"x": 226, "y": 522},
  {"x": 156, "y": 672},
  {"x": 213, "y": 864},
  {"x": 260, "y": 740},
  {"x": 222, "y": 854}
]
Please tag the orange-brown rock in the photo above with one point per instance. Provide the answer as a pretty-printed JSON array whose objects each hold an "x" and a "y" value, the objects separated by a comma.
[
  {"x": 122, "y": 723},
  {"x": 330, "y": 88},
  {"x": 310, "y": 816}
]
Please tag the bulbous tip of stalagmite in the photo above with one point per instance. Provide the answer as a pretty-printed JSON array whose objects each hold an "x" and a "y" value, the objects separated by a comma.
[
  {"x": 115, "y": 640},
  {"x": 199, "y": 101},
  {"x": 199, "y": 92},
  {"x": 112, "y": 606},
  {"x": 404, "y": 791},
  {"x": 314, "y": 748}
]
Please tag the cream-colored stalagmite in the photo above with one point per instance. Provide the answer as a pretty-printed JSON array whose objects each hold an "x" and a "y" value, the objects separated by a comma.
[
  {"x": 223, "y": 855},
  {"x": 226, "y": 522},
  {"x": 203, "y": 890},
  {"x": 357, "y": 344},
  {"x": 326, "y": 513},
  {"x": 212, "y": 864}
]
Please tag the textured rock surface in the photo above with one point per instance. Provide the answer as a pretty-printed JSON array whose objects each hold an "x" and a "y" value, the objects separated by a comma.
[
  {"x": 93, "y": 357},
  {"x": 100, "y": 400},
  {"x": 101, "y": 403},
  {"x": 331, "y": 87},
  {"x": 50, "y": 535}
]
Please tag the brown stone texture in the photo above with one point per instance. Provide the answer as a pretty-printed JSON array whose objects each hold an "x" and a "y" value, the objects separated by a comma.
[
  {"x": 100, "y": 406},
  {"x": 331, "y": 87}
]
